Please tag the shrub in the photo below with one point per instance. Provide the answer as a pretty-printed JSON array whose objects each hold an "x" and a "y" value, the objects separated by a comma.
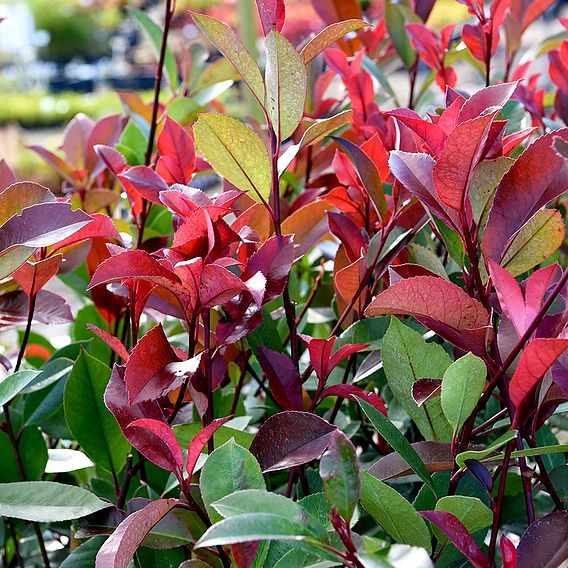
[{"x": 353, "y": 353}]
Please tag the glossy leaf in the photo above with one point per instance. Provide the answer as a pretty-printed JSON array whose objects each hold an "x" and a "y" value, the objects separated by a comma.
[
  {"x": 47, "y": 501},
  {"x": 13, "y": 384},
  {"x": 341, "y": 475},
  {"x": 229, "y": 468},
  {"x": 283, "y": 378},
  {"x": 91, "y": 424},
  {"x": 544, "y": 542},
  {"x": 290, "y": 438},
  {"x": 394, "y": 513},
  {"x": 471, "y": 511},
  {"x": 399, "y": 443},
  {"x": 462, "y": 386}
]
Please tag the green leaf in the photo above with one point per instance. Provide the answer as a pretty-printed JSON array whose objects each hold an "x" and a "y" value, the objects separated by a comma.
[
  {"x": 543, "y": 451},
  {"x": 368, "y": 331},
  {"x": 186, "y": 432},
  {"x": 229, "y": 44},
  {"x": 462, "y": 386},
  {"x": 265, "y": 334},
  {"x": 252, "y": 527},
  {"x": 398, "y": 442},
  {"x": 535, "y": 242},
  {"x": 236, "y": 152},
  {"x": 314, "y": 133},
  {"x": 480, "y": 454},
  {"x": 286, "y": 84},
  {"x": 85, "y": 555},
  {"x": 395, "y": 20},
  {"x": 228, "y": 469},
  {"x": 484, "y": 181},
  {"x": 341, "y": 475},
  {"x": 407, "y": 357},
  {"x": 424, "y": 257},
  {"x": 15, "y": 383},
  {"x": 394, "y": 513},
  {"x": 471, "y": 511},
  {"x": 90, "y": 422},
  {"x": 154, "y": 35},
  {"x": 47, "y": 501},
  {"x": 452, "y": 241},
  {"x": 33, "y": 451},
  {"x": 132, "y": 144},
  {"x": 257, "y": 501}
]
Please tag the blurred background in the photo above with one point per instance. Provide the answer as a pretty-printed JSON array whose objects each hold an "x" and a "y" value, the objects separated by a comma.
[{"x": 61, "y": 57}]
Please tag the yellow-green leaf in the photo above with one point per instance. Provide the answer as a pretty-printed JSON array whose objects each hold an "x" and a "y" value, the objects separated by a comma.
[
  {"x": 286, "y": 83},
  {"x": 229, "y": 44},
  {"x": 236, "y": 152},
  {"x": 535, "y": 242},
  {"x": 328, "y": 36}
]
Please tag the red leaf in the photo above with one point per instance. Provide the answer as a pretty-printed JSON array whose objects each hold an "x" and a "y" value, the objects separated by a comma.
[
  {"x": 148, "y": 375},
  {"x": 536, "y": 359},
  {"x": 484, "y": 99},
  {"x": 7, "y": 176},
  {"x": 112, "y": 159},
  {"x": 272, "y": 14},
  {"x": 283, "y": 377},
  {"x": 525, "y": 188},
  {"x": 218, "y": 285},
  {"x": 32, "y": 277},
  {"x": 145, "y": 182},
  {"x": 440, "y": 305},
  {"x": 452, "y": 527},
  {"x": 462, "y": 151},
  {"x": 508, "y": 552},
  {"x": 138, "y": 265},
  {"x": 290, "y": 438},
  {"x": 348, "y": 233},
  {"x": 177, "y": 153},
  {"x": 198, "y": 443},
  {"x": 102, "y": 226},
  {"x": 274, "y": 260},
  {"x": 119, "y": 549},
  {"x": 352, "y": 391},
  {"x": 113, "y": 342},
  {"x": 156, "y": 441},
  {"x": 425, "y": 389}
]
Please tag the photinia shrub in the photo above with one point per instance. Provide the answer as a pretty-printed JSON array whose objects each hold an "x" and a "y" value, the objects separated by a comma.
[{"x": 350, "y": 350}]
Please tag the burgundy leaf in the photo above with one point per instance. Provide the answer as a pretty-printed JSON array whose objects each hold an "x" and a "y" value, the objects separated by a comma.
[
  {"x": 545, "y": 542},
  {"x": 452, "y": 527},
  {"x": 272, "y": 14},
  {"x": 481, "y": 473},
  {"x": 283, "y": 378},
  {"x": 290, "y": 438},
  {"x": 425, "y": 389},
  {"x": 116, "y": 400},
  {"x": 493, "y": 96},
  {"x": 200, "y": 441},
  {"x": 7, "y": 176},
  {"x": 177, "y": 153},
  {"x": 156, "y": 441},
  {"x": 112, "y": 158},
  {"x": 525, "y": 188},
  {"x": 437, "y": 456},
  {"x": 119, "y": 549},
  {"x": 536, "y": 359},
  {"x": 42, "y": 225},
  {"x": 348, "y": 233}
]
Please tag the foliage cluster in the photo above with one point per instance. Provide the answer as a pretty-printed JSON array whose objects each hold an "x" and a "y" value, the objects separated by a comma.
[{"x": 352, "y": 354}]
